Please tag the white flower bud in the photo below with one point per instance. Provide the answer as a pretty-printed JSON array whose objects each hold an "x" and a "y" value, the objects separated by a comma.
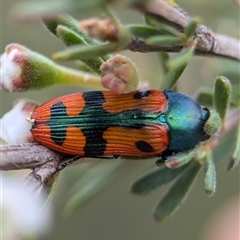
[
  {"x": 14, "y": 127},
  {"x": 21, "y": 211},
  {"x": 11, "y": 62}
]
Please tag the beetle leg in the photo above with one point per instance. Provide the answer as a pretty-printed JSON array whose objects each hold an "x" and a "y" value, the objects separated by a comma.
[
  {"x": 71, "y": 160},
  {"x": 67, "y": 162},
  {"x": 108, "y": 157},
  {"x": 178, "y": 159}
]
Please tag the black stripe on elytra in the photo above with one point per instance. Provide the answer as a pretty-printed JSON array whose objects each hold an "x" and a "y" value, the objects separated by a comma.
[
  {"x": 95, "y": 144},
  {"x": 141, "y": 94},
  {"x": 58, "y": 109}
]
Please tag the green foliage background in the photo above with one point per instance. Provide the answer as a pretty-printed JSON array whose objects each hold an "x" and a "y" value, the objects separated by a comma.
[{"x": 114, "y": 213}]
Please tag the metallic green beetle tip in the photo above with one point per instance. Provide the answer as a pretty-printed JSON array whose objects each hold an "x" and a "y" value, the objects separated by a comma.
[{"x": 213, "y": 124}]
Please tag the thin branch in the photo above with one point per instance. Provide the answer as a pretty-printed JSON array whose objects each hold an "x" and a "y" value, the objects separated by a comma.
[
  {"x": 26, "y": 156},
  {"x": 226, "y": 46},
  {"x": 163, "y": 11},
  {"x": 40, "y": 174},
  {"x": 209, "y": 43},
  {"x": 43, "y": 161}
]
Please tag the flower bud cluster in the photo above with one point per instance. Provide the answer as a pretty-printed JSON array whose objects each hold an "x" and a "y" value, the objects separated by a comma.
[{"x": 119, "y": 75}]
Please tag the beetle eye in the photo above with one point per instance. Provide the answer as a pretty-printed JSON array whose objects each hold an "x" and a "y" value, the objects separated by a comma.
[
  {"x": 206, "y": 137},
  {"x": 205, "y": 109},
  {"x": 206, "y": 112}
]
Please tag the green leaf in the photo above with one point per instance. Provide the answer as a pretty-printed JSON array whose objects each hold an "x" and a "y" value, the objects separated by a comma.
[
  {"x": 170, "y": 78},
  {"x": 142, "y": 31},
  {"x": 190, "y": 29},
  {"x": 176, "y": 193},
  {"x": 88, "y": 52},
  {"x": 175, "y": 67},
  {"x": 181, "y": 60},
  {"x": 210, "y": 175},
  {"x": 155, "y": 178},
  {"x": 161, "y": 26},
  {"x": 204, "y": 96},
  {"x": 153, "y": 22},
  {"x": 164, "y": 40},
  {"x": 69, "y": 37},
  {"x": 90, "y": 183},
  {"x": 85, "y": 52},
  {"x": 236, "y": 154},
  {"x": 48, "y": 189},
  {"x": 70, "y": 23},
  {"x": 111, "y": 15},
  {"x": 222, "y": 96},
  {"x": 181, "y": 158},
  {"x": 223, "y": 151},
  {"x": 63, "y": 20},
  {"x": 73, "y": 27},
  {"x": 163, "y": 59},
  {"x": 213, "y": 124}
]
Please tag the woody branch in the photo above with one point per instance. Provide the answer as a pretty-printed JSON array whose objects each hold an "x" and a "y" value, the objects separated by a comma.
[{"x": 209, "y": 43}]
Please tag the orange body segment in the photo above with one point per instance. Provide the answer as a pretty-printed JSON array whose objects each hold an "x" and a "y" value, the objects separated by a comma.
[{"x": 125, "y": 141}]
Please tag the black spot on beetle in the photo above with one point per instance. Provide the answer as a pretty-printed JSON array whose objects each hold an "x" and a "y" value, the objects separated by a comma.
[
  {"x": 93, "y": 98},
  {"x": 58, "y": 109},
  {"x": 144, "y": 146},
  {"x": 141, "y": 94}
]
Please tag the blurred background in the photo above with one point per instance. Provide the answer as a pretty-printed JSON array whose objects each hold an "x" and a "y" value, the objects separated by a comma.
[{"x": 115, "y": 213}]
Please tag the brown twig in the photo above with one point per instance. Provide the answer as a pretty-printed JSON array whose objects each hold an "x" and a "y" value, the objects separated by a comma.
[
  {"x": 26, "y": 156},
  {"x": 40, "y": 175},
  {"x": 209, "y": 43},
  {"x": 43, "y": 161}
]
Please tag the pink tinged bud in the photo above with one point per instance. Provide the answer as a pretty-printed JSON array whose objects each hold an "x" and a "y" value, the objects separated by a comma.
[
  {"x": 15, "y": 128},
  {"x": 119, "y": 75},
  {"x": 114, "y": 84}
]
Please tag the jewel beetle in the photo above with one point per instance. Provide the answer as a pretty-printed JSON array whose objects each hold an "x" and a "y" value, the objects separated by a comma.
[{"x": 142, "y": 123}]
